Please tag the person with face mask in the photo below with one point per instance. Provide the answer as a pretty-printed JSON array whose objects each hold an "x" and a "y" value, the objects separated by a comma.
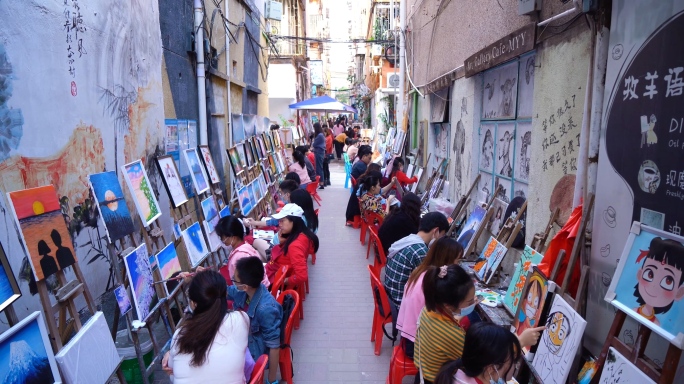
[
  {"x": 251, "y": 296},
  {"x": 232, "y": 232},
  {"x": 490, "y": 355}
]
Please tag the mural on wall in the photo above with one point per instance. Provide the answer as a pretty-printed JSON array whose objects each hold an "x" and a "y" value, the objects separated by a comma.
[
  {"x": 641, "y": 144},
  {"x": 91, "y": 104},
  {"x": 459, "y": 143},
  {"x": 500, "y": 92}
]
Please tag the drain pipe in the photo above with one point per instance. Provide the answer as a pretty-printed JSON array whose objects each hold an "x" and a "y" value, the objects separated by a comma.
[
  {"x": 601, "y": 62},
  {"x": 201, "y": 78},
  {"x": 576, "y": 7}
]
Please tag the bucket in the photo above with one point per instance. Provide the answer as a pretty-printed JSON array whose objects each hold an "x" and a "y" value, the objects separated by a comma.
[{"x": 129, "y": 366}]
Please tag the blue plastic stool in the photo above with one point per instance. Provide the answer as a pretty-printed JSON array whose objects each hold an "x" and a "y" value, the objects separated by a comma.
[{"x": 347, "y": 170}]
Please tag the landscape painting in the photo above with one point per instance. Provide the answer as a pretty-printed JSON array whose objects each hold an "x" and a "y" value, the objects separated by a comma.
[
  {"x": 44, "y": 233},
  {"x": 529, "y": 259},
  {"x": 26, "y": 354},
  {"x": 140, "y": 188},
  {"x": 9, "y": 290},
  {"x": 235, "y": 161},
  {"x": 199, "y": 178},
  {"x": 471, "y": 226},
  {"x": 213, "y": 238},
  {"x": 169, "y": 266},
  {"x": 122, "y": 300},
  {"x": 210, "y": 212},
  {"x": 172, "y": 180},
  {"x": 111, "y": 205},
  {"x": 244, "y": 200},
  {"x": 195, "y": 244},
  {"x": 141, "y": 282},
  {"x": 489, "y": 260},
  {"x": 209, "y": 164}
]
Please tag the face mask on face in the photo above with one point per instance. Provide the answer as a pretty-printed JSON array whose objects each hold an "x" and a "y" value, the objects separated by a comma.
[
  {"x": 499, "y": 381},
  {"x": 467, "y": 310}
]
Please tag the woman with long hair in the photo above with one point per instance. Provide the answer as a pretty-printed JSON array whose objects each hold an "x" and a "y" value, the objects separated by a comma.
[
  {"x": 400, "y": 222},
  {"x": 318, "y": 147},
  {"x": 299, "y": 167},
  {"x": 490, "y": 355},
  {"x": 398, "y": 172},
  {"x": 211, "y": 345},
  {"x": 303, "y": 199},
  {"x": 328, "y": 153},
  {"x": 232, "y": 231},
  {"x": 445, "y": 251},
  {"x": 371, "y": 198},
  {"x": 353, "y": 203},
  {"x": 297, "y": 242}
]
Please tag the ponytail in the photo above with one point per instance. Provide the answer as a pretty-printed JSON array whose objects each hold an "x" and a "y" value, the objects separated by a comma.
[
  {"x": 445, "y": 285},
  {"x": 448, "y": 371},
  {"x": 299, "y": 158}
]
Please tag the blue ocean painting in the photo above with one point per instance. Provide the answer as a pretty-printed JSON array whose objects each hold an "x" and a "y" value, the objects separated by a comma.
[
  {"x": 195, "y": 244},
  {"x": 245, "y": 202},
  {"x": 111, "y": 204},
  {"x": 6, "y": 290},
  {"x": 225, "y": 212},
  {"x": 23, "y": 358}
]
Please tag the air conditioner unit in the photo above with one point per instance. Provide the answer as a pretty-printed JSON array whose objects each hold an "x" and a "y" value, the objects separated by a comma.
[{"x": 274, "y": 10}]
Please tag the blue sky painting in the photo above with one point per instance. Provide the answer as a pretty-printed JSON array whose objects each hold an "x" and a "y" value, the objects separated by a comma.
[
  {"x": 111, "y": 203},
  {"x": 26, "y": 347}
]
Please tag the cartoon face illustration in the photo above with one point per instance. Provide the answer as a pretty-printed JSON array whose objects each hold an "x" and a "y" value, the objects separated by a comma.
[
  {"x": 649, "y": 176},
  {"x": 558, "y": 329},
  {"x": 660, "y": 278},
  {"x": 532, "y": 300}
]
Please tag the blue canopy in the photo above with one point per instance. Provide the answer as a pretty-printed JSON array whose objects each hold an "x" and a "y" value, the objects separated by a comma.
[{"x": 323, "y": 103}]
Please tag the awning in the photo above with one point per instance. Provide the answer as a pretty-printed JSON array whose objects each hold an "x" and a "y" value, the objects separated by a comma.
[{"x": 323, "y": 103}]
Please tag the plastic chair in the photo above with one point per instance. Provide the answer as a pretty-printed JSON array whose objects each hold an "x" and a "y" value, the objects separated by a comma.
[
  {"x": 312, "y": 188},
  {"x": 381, "y": 258},
  {"x": 313, "y": 257},
  {"x": 285, "y": 363},
  {"x": 347, "y": 170},
  {"x": 400, "y": 366},
  {"x": 369, "y": 218},
  {"x": 382, "y": 314},
  {"x": 278, "y": 283},
  {"x": 258, "y": 370}
]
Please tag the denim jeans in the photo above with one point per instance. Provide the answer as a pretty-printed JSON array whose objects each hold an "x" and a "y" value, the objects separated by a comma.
[{"x": 319, "y": 166}]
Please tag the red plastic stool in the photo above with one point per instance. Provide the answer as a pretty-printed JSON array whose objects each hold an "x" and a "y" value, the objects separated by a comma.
[{"x": 400, "y": 366}]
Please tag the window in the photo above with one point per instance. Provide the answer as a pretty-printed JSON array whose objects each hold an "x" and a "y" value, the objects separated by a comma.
[{"x": 506, "y": 129}]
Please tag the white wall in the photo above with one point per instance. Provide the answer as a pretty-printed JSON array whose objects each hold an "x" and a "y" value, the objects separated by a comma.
[{"x": 282, "y": 81}]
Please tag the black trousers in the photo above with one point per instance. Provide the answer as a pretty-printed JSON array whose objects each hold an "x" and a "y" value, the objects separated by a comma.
[
  {"x": 326, "y": 169},
  {"x": 338, "y": 148}
]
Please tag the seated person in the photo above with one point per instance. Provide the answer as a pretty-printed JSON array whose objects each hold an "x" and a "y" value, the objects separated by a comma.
[
  {"x": 300, "y": 167},
  {"x": 232, "y": 233},
  {"x": 401, "y": 222}
]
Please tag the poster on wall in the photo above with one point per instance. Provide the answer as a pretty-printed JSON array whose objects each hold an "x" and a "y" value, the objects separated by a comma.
[
  {"x": 505, "y": 135},
  {"x": 486, "y": 147},
  {"x": 523, "y": 151},
  {"x": 500, "y": 92},
  {"x": 526, "y": 86}
]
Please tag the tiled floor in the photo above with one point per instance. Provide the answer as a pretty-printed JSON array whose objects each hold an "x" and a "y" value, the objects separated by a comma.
[{"x": 333, "y": 343}]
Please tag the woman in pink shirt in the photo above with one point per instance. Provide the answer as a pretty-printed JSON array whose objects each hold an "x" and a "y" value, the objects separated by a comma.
[
  {"x": 299, "y": 167},
  {"x": 232, "y": 233},
  {"x": 444, "y": 251}
]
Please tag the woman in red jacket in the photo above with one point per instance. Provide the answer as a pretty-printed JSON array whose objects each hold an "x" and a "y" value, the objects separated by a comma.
[
  {"x": 398, "y": 172},
  {"x": 297, "y": 242}
]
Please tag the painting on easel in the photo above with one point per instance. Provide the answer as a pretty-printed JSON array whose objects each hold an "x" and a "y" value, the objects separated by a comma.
[
  {"x": 172, "y": 180},
  {"x": 169, "y": 266},
  {"x": 619, "y": 370},
  {"x": 471, "y": 225},
  {"x": 111, "y": 204},
  {"x": 9, "y": 290},
  {"x": 45, "y": 236},
  {"x": 199, "y": 178},
  {"x": 195, "y": 244},
  {"x": 209, "y": 164},
  {"x": 140, "y": 188},
  {"x": 529, "y": 258},
  {"x": 489, "y": 261},
  {"x": 141, "y": 282},
  {"x": 532, "y": 302},
  {"x": 235, "y": 161},
  {"x": 648, "y": 284}
]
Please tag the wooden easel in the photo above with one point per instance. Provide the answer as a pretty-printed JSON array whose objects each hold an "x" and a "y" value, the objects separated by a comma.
[
  {"x": 512, "y": 227},
  {"x": 539, "y": 240},
  {"x": 473, "y": 240},
  {"x": 462, "y": 201}
]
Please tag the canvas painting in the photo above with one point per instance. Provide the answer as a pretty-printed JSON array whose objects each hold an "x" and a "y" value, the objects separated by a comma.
[
  {"x": 237, "y": 127},
  {"x": 261, "y": 149},
  {"x": 419, "y": 174},
  {"x": 255, "y": 151},
  {"x": 267, "y": 142},
  {"x": 399, "y": 142},
  {"x": 529, "y": 258},
  {"x": 505, "y": 136},
  {"x": 195, "y": 244},
  {"x": 225, "y": 212},
  {"x": 471, "y": 226},
  {"x": 172, "y": 180},
  {"x": 249, "y": 155},
  {"x": 531, "y": 302},
  {"x": 111, "y": 205},
  {"x": 241, "y": 151},
  {"x": 525, "y": 93},
  {"x": 486, "y": 147},
  {"x": 489, "y": 260},
  {"x": 559, "y": 342},
  {"x": 500, "y": 92},
  {"x": 276, "y": 140},
  {"x": 287, "y": 136},
  {"x": 210, "y": 212},
  {"x": 619, "y": 370},
  {"x": 141, "y": 282},
  {"x": 205, "y": 156},
  {"x": 249, "y": 122},
  {"x": 257, "y": 190},
  {"x": 244, "y": 200},
  {"x": 90, "y": 356},
  {"x": 648, "y": 283},
  {"x": 122, "y": 300},
  {"x": 43, "y": 231},
  {"x": 235, "y": 161},
  {"x": 26, "y": 354},
  {"x": 169, "y": 266},
  {"x": 252, "y": 196},
  {"x": 199, "y": 178},
  {"x": 213, "y": 237},
  {"x": 497, "y": 219},
  {"x": 9, "y": 290},
  {"x": 140, "y": 188},
  {"x": 176, "y": 231},
  {"x": 523, "y": 151}
]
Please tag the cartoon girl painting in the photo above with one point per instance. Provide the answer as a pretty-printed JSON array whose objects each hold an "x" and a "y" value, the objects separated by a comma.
[
  {"x": 660, "y": 278},
  {"x": 531, "y": 305},
  {"x": 487, "y": 150}
]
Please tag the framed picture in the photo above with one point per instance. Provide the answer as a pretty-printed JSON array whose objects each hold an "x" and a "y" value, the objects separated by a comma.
[
  {"x": 244, "y": 201},
  {"x": 471, "y": 226},
  {"x": 169, "y": 267},
  {"x": 276, "y": 139},
  {"x": 619, "y": 370},
  {"x": 205, "y": 156},
  {"x": 267, "y": 143},
  {"x": 195, "y": 244},
  {"x": 111, "y": 205},
  {"x": 648, "y": 284},
  {"x": 247, "y": 151},
  {"x": 122, "y": 300},
  {"x": 272, "y": 164},
  {"x": 172, "y": 180},
  {"x": 252, "y": 196},
  {"x": 500, "y": 92},
  {"x": 140, "y": 188},
  {"x": 529, "y": 259},
  {"x": 28, "y": 352},
  {"x": 140, "y": 281},
  {"x": 199, "y": 177},
  {"x": 250, "y": 125},
  {"x": 531, "y": 303},
  {"x": 225, "y": 212},
  {"x": 255, "y": 149},
  {"x": 497, "y": 220},
  {"x": 489, "y": 260},
  {"x": 235, "y": 161},
  {"x": 237, "y": 127},
  {"x": 210, "y": 211},
  {"x": 9, "y": 290},
  {"x": 260, "y": 146},
  {"x": 38, "y": 215},
  {"x": 213, "y": 238}
]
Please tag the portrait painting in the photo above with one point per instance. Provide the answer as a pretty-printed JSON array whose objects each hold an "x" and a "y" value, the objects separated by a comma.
[
  {"x": 140, "y": 188},
  {"x": 529, "y": 259},
  {"x": 169, "y": 266},
  {"x": 617, "y": 369},
  {"x": 648, "y": 284},
  {"x": 244, "y": 200},
  {"x": 497, "y": 219},
  {"x": 503, "y": 193},
  {"x": 487, "y": 147},
  {"x": 471, "y": 226},
  {"x": 235, "y": 161},
  {"x": 43, "y": 231},
  {"x": 559, "y": 342},
  {"x": 122, "y": 300},
  {"x": 523, "y": 151},
  {"x": 526, "y": 85},
  {"x": 505, "y": 136},
  {"x": 172, "y": 180},
  {"x": 111, "y": 205},
  {"x": 199, "y": 177},
  {"x": 500, "y": 96},
  {"x": 141, "y": 282},
  {"x": 26, "y": 354},
  {"x": 9, "y": 290},
  {"x": 489, "y": 260},
  {"x": 195, "y": 244},
  {"x": 208, "y": 161},
  {"x": 531, "y": 303}
]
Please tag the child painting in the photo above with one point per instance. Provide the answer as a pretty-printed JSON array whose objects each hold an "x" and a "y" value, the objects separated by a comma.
[
  {"x": 660, "y": 278},
  {"x": 531, "y": 305}
]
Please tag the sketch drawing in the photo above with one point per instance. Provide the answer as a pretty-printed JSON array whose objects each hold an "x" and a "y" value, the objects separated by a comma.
[
  {"x": 526, "y": 86},
  {"x": 487, "y": 148},
  {"x": 43, "y": 230},
  {"x": 172, "y": 180},
  {"x": 141, "y": 282},
  {"x": 619, "y": 370},
  {"x": 140, "y": 188},
  {"x": 199, "y": 177},
  {"x": 505, "y": 136},
  {"x": 529, "y": 258},
  {"x": 559, "y": 342},
  {"x": 111, "y": 204},
  {"x": 195, "y": 244},
  {"x": 523, "y": 149},
  {"x": 505, "y": 190},
  {"x": 441, "y": 131},
  {"x": 458, "y": 148},
  {"x": 649, "y": 176},
  {"x": 500, "y": 92},
  {"x": 209, "y": 164}
]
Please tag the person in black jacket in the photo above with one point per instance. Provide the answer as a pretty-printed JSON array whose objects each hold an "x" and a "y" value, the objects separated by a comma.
[{"x": 400, "y": 223}]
